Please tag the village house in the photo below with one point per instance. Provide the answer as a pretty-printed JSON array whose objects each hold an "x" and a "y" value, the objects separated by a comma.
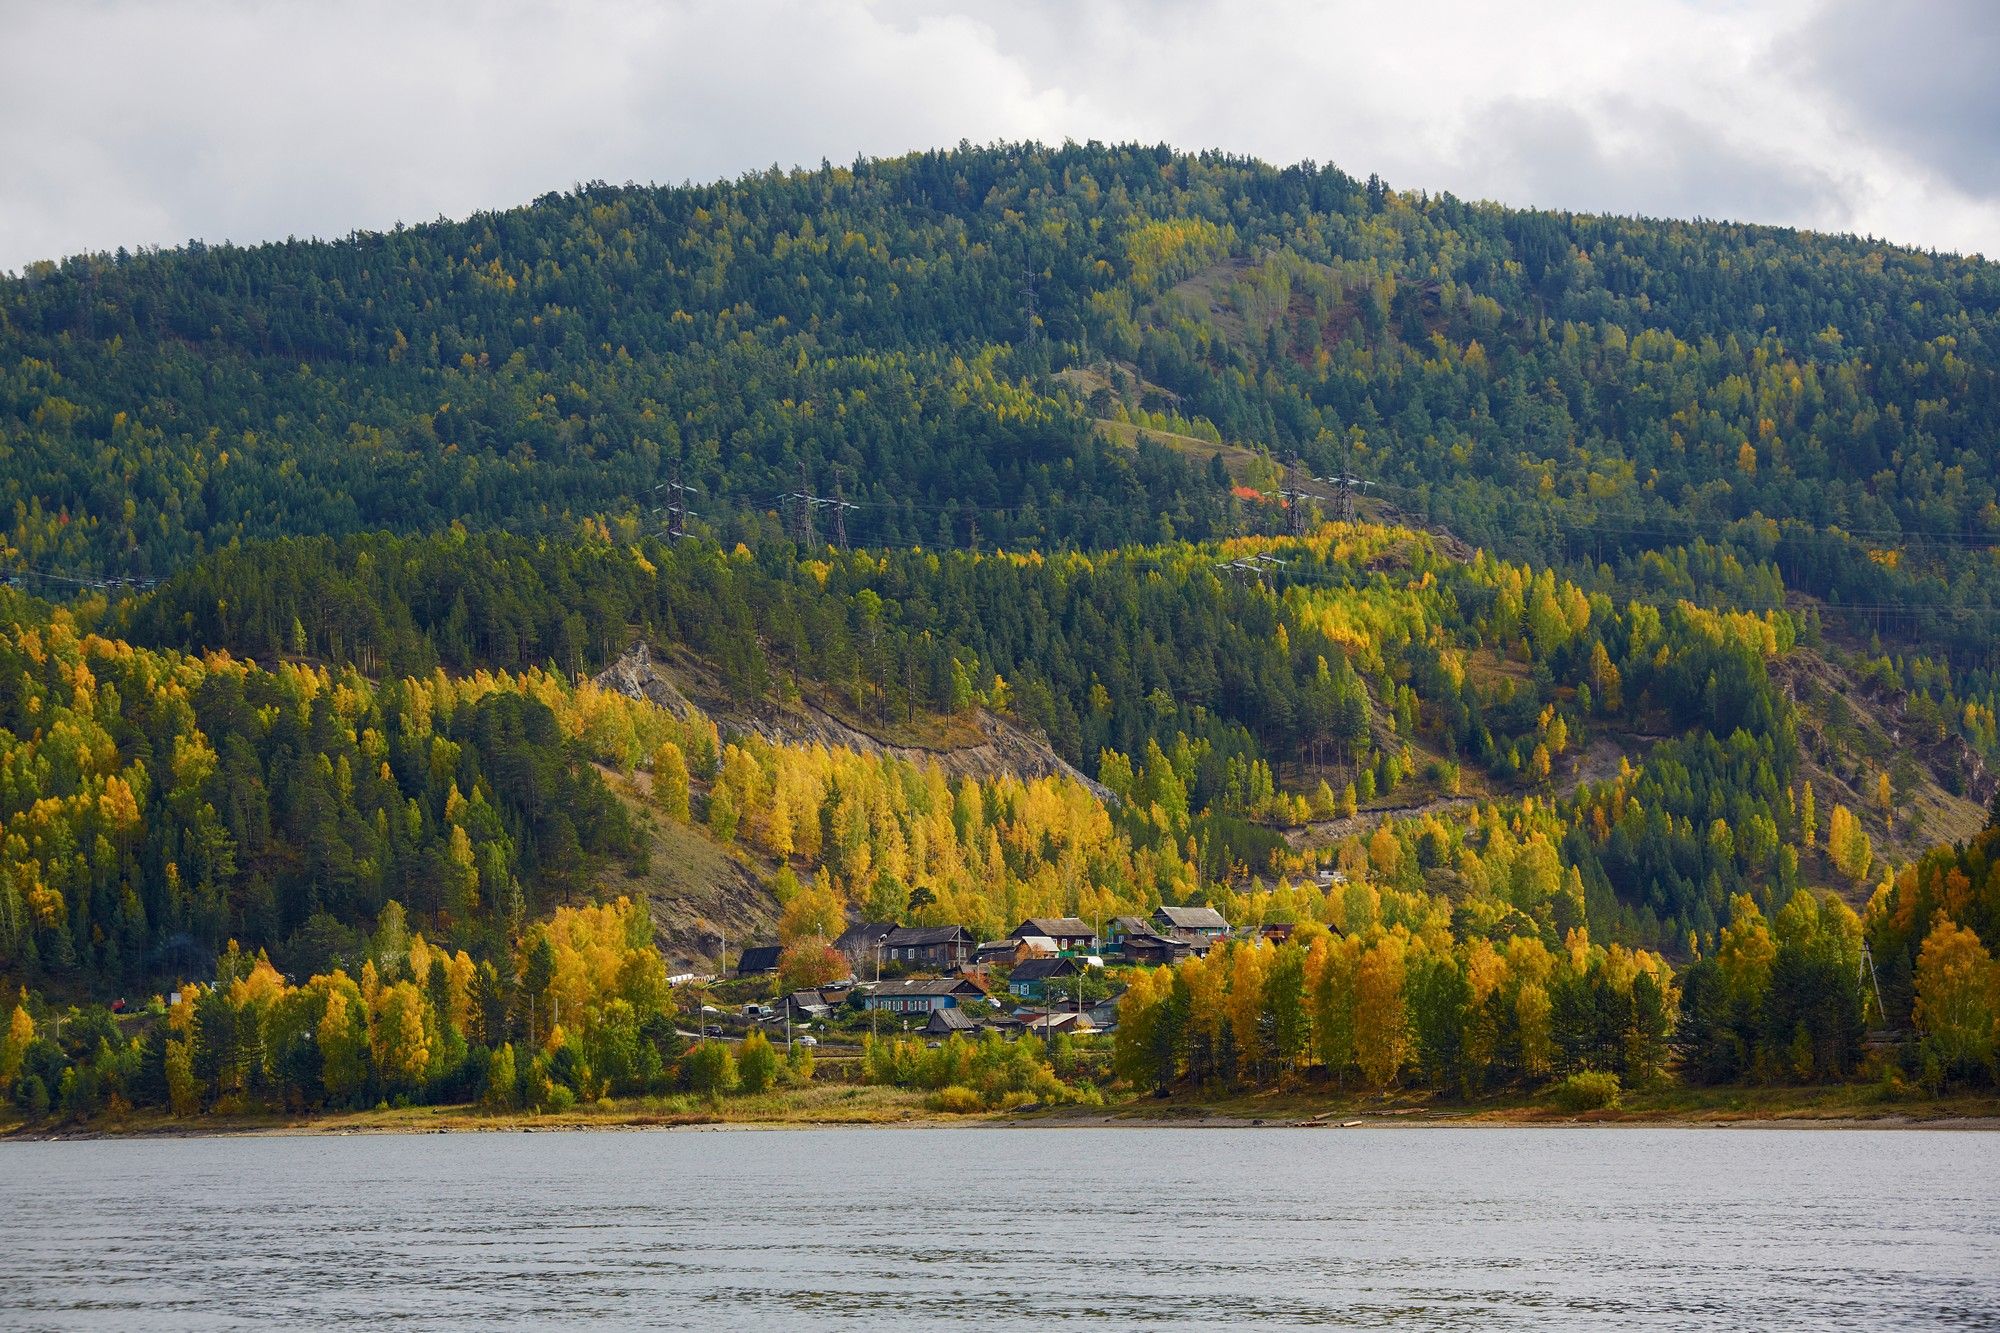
[
  {"x": 805, "y": 1006},
  {"x": 758, "y": 960},
  {"x": 1068, "y": 934},
  {"x": 1135, "y": 940},
  {"x": 1001, "y": 953},
  {"x": 1050, "y": 1025},
  {"x": 1198, "y": 927},
  {"x": 1030, "y": 980},
  {"x": 946, "y": 1022},
  {"x": 940, "y": 948},
  {"x": 921, "y": 995},
  {"x": 860, "y": 944}
]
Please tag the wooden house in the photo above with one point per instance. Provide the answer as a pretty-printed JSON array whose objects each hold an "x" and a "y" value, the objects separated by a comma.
[
  {"x": 1067, "y": 933},
  {"x": 920, "y": 995},
  {"x": 938, "y": 948},
  {"x": 1197, "y": 927}
]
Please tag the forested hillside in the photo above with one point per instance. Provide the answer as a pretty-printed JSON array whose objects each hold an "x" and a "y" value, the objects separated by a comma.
[
  {"x": 1548, "y": 384},
  {"x": 1667, "y": 617}
]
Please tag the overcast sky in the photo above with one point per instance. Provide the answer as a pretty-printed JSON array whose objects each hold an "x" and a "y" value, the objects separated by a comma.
[{"x": 147, "y": 122}]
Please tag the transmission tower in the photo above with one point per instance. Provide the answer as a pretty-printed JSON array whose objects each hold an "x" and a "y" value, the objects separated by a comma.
[
  {"x": 675, "y": 493},
  {"x": 1296, "y": 496},
  {"x": 840, "y": 505},
  {"x": 1346, "y": 488},
  {"x": 803, "y": 501}
]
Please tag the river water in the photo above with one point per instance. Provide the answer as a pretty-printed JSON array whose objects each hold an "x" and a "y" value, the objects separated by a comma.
[{"x": 1118, "y": 1228}]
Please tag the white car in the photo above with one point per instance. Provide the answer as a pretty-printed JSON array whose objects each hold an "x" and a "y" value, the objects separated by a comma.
[{"x": 807, "y": 1041}]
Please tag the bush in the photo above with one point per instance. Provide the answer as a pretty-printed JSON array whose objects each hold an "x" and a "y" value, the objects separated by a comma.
[
  {"x": 709, "y": 1069},
  {"x": 1588, "y": 1090},
  {"x": 956, "y": 1100},
  {"x": 32, "y": 1096},
  {"x": 757, "y": 1063}
]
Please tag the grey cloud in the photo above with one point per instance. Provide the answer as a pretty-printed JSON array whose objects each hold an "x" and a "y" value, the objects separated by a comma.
[
  {"x": 133, "y": 122},
  {"x": 1632, "y": 157},
  {"x": 1920, "y": 76}
]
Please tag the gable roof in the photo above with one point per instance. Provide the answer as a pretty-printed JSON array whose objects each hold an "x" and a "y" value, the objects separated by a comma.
[
  {"x": 1053, "y": 927},
  {"x": 904, "y": 937},
  {"x": 1139, "y": 926},
  {"x": 863, "y": 935},
  {"x": 1192, "y": 918},
  {"x": 927, "y": 986},
  {"x": 1041, "y": 969},
  {"x": 759, "y": 958},
  {"x": 950, "y": 1020}
]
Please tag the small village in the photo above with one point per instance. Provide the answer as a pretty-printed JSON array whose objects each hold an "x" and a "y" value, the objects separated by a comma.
[{"x": 1052, "y": 976}]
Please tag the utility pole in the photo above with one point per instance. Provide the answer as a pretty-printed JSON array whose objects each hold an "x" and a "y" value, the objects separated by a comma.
[
  {"x": 1028, "y": 307},
  {"x": 1868, "y": 967},
  {"x": 875, "y": 996}
]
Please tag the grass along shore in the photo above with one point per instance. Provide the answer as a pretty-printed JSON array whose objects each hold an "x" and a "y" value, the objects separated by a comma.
[{"x": 827, "y": 1105}]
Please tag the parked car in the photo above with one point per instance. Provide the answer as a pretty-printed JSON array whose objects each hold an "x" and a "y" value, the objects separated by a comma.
[
  {"x": 808, "y": 1041},
  {"x": 756, "y": 1011},
  {"x": 712, "y": 1030}
]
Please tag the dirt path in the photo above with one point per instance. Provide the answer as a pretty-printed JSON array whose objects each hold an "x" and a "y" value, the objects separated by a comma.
[{"x": 1598, "y": 763}]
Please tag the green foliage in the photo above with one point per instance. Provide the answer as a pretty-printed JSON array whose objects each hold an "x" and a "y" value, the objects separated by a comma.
[
  {"x": 756, "y": 1064},
  {"x": 709, "y": 1069},
  {"x": 1586, "y": 1090}
]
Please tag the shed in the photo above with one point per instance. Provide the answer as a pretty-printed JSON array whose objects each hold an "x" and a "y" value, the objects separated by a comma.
[{"x": 944, "y": 1022}]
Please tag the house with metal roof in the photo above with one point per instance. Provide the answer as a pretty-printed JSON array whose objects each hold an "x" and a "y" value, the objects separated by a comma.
[
  {"x": 920, "y": 995},
  {"x": 1198, "y": 927},
  {"x": 1050, "y": 1025}
]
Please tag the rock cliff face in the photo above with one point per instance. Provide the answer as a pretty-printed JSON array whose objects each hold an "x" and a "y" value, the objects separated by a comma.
[{"x": 1007, "y": 748}]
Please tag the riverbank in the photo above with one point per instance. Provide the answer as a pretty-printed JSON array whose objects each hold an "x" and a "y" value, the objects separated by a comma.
[{"x": 846, "y": 1105}]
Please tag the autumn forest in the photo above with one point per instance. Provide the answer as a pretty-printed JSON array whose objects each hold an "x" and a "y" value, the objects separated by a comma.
[{"x": 1562, "y": 648}]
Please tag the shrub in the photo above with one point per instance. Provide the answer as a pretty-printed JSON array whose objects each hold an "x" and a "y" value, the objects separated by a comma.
[
  {"x": 1587, "y": 1090},
  {"x": 956, "y": 1100},
  {"x": 709, "y": 1069},
  {"x": 757, "y": 1063}
]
